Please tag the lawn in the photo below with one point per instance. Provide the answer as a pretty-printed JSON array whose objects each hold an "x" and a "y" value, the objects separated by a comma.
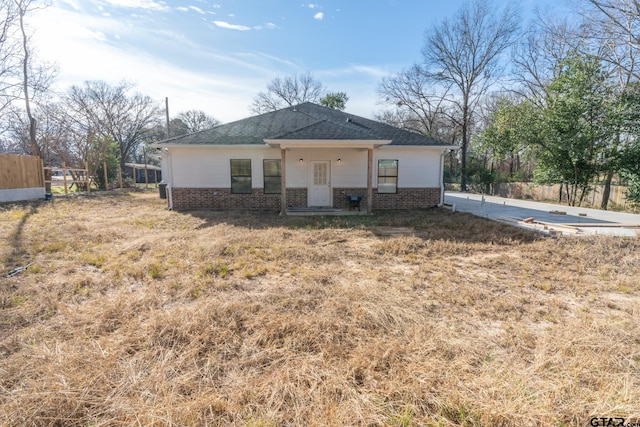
[{"x": 130, "y": 314}]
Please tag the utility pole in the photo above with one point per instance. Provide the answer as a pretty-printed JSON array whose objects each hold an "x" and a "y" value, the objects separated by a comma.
[{"x": 166, "y": 109}]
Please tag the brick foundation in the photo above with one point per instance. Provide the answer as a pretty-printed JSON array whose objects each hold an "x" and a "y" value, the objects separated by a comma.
[
  {"x": 405, "y": 198},
  {"x": 296, "y": 197},
  {"x": 222, "y": 198}
]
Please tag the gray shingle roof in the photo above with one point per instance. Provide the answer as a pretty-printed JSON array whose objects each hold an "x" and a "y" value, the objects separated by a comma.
[{"x": 304, "y": 121}]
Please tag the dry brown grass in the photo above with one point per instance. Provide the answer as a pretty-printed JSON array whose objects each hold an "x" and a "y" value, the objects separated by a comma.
[{"x": 130, "y": 314}]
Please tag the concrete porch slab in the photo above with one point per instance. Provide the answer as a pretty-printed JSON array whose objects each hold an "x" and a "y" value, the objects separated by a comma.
[{"x": 317, "y": 211}]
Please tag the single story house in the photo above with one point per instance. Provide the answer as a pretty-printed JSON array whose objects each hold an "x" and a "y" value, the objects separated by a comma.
[{"x": 303, "y": 157}]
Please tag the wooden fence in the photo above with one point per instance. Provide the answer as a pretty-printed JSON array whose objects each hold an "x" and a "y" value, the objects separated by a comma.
[
  {"x": 79, "y": 177},
  {"x": 18, "y": 171},
  {"x": 524, "y": 190}
]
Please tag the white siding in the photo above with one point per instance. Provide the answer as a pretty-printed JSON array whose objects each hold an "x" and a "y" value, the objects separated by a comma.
[
  {"x": 208, "y": 167},
  {"x": 350, "y": 172},
  {"x": 418, "y": 167}
]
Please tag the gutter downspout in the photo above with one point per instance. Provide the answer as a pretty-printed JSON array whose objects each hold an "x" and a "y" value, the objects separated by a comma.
[
  {"x": 442, "y": 178},
  {"x": 170, "y": 183}
]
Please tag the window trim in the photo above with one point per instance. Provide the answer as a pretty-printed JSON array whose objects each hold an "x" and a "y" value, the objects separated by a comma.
[
  {"x": 265, "y": 176},
  {"x": 395, "y": 190},
  {"x": 231, "y": 176}
]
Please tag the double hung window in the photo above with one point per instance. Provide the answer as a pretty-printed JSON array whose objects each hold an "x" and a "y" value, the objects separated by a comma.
[
  {"x": 241, "y": 176},
  {"x": 387, "y": 176},
  {"x": 272, "y": 176}
]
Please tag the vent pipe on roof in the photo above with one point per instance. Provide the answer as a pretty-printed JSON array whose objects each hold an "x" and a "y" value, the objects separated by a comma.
[{"x": 348, "y": 120}]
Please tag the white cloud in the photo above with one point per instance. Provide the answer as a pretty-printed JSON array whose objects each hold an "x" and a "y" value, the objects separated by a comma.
[
  {"x": 71, "y": 3},
  {"x": 319, "y": 16},
  {"x": 100, "y": 36},
  {"x": 182, "y": 9},
  {"x": 312, "y": 6},
  {"x": 356, "y": 72},
  {"x": 228, "y": 26},
  {"x": 197, "y": 9},
  {"x": 262, "y": 59},
  {"x": 138, "y": 4},
  {"x": 192, "y": 73},
  {"x": 268, "y": 26},
  {"x": 86, "y": 56}
]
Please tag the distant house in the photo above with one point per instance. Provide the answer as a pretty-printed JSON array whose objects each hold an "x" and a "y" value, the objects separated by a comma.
[
  {"x": 137, "y": 172},
  {"x": 303, "y": 157}
]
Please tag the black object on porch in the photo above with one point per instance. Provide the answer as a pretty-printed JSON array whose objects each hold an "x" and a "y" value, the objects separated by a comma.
[{"x": 354, "y": 201}]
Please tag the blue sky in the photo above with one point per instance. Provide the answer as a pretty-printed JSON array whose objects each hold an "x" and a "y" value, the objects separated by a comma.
[{"x": 217, "y": 55}]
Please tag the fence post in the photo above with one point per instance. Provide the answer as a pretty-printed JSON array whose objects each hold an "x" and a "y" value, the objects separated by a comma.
[
  {"x": 120, "y": 175},
  {"x": 64, "y": 178},
  {"x": 86, "y": 174},
  {"x": 44, "y": 174},
  {"x": 106, "y": 179}
]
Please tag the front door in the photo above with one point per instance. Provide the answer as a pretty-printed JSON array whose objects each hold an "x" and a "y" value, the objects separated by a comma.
[{"x": 319, "y": 191}]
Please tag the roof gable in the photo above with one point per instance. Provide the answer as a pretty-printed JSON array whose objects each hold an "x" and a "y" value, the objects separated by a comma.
[{"x": 305, "y": 121}]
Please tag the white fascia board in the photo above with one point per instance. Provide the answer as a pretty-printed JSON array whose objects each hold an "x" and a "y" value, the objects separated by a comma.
[
  {"x": 426, "y": 147},
  {"x": 219, "y": 146},
  {"x": 326, "y": 143}
]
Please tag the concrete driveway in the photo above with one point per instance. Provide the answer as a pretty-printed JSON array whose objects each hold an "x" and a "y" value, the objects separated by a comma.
[{"x": 546, "y": 217}]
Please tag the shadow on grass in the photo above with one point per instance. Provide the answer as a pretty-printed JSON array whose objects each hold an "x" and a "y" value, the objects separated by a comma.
[
  {"x": 18, "y": 253},
  {"x": 428, "y": 224}
]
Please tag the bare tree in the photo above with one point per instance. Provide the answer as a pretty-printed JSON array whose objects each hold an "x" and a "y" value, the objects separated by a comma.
[
  {"x": 110, "y": 111},
  {"x": 287, "y": 91},
  {"x": 23, "y": 79},
  {"x": 465, "y": 54},
  {"x": 547, "y": 43},
  {"x": 621, "y": 15},
  {"x": 416, "y": 104},
  {"x": 23, "y": 7},
  {"x": 9, "y": 54},
  {"x": 194, "y": 121}
]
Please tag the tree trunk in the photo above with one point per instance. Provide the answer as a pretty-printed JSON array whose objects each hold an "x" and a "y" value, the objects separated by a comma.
[
  {"x": 606, "y": 193},
  {"x": 25, "y": 87},
  {"x": 463, "y": 153},
  {"x": 560, "y": 197}
]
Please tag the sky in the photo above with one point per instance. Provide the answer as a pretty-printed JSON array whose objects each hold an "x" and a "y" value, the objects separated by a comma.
[{"x": 215, "y": 56}]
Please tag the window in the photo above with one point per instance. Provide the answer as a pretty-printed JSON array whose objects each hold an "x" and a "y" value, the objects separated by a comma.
[
  {"x": 272, "y": 177},
  {"x": 241, "y": 176},
  {"x": 387, "y": 176}
]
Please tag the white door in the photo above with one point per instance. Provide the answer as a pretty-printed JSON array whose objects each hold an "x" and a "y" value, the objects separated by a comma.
[{"x": 319, "y": 191}]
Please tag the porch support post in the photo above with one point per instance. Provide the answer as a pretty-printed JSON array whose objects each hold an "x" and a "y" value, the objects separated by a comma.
[
  {"x": 283, "y": 182},
  {"x": 369, "y": 180}
]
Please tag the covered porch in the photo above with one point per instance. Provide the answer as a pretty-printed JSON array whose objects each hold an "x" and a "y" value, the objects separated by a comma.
[{"x": 326, "y": 177}]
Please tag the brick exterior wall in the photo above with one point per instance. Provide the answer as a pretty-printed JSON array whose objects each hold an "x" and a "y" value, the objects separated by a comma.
[
  {"x": 340, "y": 197},
  {"x": 222, "y": 198},
  {"x": 296, "y": 197},
  {"x": 405, "y": 198}
]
